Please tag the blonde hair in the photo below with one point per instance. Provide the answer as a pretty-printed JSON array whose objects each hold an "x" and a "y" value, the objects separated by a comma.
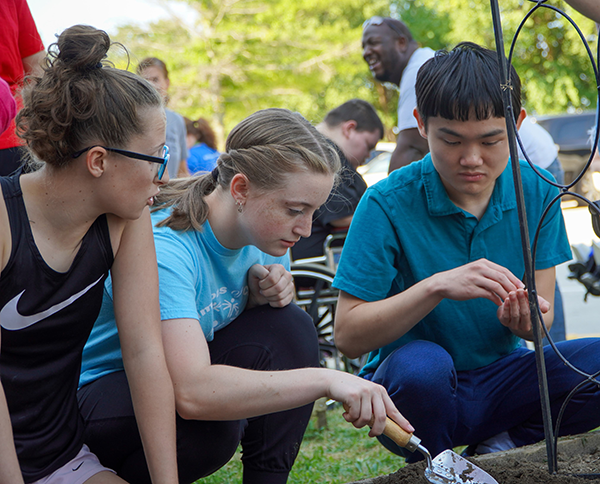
[{"x": 264, "y": 147}]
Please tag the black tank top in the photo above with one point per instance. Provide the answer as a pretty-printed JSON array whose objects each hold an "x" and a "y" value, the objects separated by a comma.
[{"x": 46, "y": 317}]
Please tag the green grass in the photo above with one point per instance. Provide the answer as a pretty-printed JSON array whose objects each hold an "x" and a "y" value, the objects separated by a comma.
[{"x": 336, "y": 455}]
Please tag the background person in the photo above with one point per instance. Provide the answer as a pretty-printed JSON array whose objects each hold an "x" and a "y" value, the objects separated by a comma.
[
  {"x": 394, "y": 56},
  {"x": 243, "y": 358},
  {"x": 431, "y": 272},
  {"x": 202, "y": 145},
  {"x": 21, "y": 53},
  {"x": 155, "y": 71},
  {"x": 8, "y": 106},
  {"x": 62, "y": 228},
  {"x": 355, "y": 128}
]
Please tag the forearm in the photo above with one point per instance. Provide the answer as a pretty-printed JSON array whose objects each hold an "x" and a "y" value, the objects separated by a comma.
[
  {"x": 589, "y": 8},
  {"x": 361, "y": 328},
  {"x": 410, "y": 146},
  {"x": 32, "y": 65},
  {"x": 229, "y": 393},
  {"x": 10, "y": 473},
  {"x": 154, "y": 405},
  {"x": 404, "y": 156},
  {"x": 342, "y": 222}
]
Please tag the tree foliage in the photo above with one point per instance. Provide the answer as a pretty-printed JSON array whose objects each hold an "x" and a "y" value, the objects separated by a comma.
[
  {"x": 237, "y": 56},
  {"x": 549, "y": 56},
  {"x": 229, "y": 58}
]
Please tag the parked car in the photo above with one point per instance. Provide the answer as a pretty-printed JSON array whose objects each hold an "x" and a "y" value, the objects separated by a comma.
[
  {"x": 376, "y": 166},
  {"x": 571, "y": 133}
]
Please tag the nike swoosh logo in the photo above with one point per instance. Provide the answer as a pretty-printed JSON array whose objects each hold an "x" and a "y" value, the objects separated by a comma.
[
  {"x": 12, "y": 320},
  {"x": 77, "y": 468}
]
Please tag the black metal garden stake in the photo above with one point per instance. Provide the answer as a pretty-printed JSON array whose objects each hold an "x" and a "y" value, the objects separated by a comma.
[{"x": 506, "y": 85}]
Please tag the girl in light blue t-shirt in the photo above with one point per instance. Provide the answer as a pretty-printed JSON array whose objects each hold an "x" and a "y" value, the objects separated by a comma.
[{"x": 243, "y": 358}]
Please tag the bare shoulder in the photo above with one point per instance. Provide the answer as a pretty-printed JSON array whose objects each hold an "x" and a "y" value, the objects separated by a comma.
[
  {"x": 116, "y": 227},
  {"x": 5, "y": 234},
  {"x": 133, "y": 231}
]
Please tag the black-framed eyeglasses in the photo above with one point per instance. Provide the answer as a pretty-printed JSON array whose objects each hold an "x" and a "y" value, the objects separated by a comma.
[
  {"x": 377, "y": 20},
  {"x": 138, "y": 156}
]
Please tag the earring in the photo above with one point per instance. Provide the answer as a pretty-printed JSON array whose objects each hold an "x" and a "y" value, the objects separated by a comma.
[{"x": 240, "y": 206}]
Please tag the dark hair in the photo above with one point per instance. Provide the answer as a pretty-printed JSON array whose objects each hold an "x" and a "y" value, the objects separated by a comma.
[
  {"x": 81, "y": 99},
  {"x": 355, "y": 110},
  {"x": 465, "y": 80},
  {"x": 202, "y": 131},
  {"x": 264, "y": 147},
  {"x": 152, "y": 62}
]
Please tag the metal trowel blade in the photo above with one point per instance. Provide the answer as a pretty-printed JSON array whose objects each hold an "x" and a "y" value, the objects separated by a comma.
[{"x": 456, "y": 469}]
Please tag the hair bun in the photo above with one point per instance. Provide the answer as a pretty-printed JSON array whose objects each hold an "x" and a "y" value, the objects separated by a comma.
[{"x": 82, "y": 47}]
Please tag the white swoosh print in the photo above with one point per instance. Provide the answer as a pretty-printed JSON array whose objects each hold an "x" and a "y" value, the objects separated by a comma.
[{"x": 11, "y": 320}]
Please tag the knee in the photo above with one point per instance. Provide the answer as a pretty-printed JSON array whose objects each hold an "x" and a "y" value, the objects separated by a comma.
[
  {"x": 292, "y": 337},
  {"x": 418, "y": 368},
  {"x": 203, "y": 447},
  {"x": 583, "y": 353}
]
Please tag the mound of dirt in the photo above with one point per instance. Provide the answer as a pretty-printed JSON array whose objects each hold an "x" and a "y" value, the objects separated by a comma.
[{"x": 578, "y": 463}]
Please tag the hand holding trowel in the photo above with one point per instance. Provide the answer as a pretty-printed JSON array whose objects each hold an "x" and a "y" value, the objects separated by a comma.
[{"x": 447, "y": 468}]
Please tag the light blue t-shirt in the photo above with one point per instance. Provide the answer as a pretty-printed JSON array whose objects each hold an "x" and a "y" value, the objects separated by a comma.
[
  {"x": 199, "y": 279},
  {"x": 406, "y": 229}
]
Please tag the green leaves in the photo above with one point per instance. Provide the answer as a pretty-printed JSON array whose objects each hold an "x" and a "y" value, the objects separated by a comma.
[
  {"x": 549, "y": 57},
  {"x": 230, "y": 58}
]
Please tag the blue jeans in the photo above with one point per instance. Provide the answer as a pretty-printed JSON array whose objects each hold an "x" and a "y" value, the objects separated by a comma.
[{"x": 450, "y": 408}]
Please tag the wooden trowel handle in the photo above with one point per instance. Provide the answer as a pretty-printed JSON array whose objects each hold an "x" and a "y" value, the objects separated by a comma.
[{"x": 400, "y": 436}]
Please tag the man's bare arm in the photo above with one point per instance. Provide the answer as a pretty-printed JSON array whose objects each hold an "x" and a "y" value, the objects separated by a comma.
[
  {"x": 410, "y": 146},
  {"x": 32, "y": 65},
  {"x": 589, "y": 8}
]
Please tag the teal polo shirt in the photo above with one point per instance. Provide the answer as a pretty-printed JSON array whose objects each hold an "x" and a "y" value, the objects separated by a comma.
[{"x": 406, "y": 229}]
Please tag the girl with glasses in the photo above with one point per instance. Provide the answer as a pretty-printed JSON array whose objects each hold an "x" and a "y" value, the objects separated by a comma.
[
  {"x": 243, "y": 357},
  {"x": 97, "y": 134}
]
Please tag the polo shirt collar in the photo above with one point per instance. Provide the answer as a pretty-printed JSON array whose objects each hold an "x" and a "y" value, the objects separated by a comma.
[{"x": 438, "y": 203}]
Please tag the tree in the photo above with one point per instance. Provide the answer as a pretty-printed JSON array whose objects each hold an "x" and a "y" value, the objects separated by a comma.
[
  {"x": 230, "y": 58},
  {"x": 549, "y": 57},
  {"x": 233, "y": 57}
]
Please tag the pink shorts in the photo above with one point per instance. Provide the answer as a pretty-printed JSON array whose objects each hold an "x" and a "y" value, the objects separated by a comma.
[{"x": 77, "y": 471}]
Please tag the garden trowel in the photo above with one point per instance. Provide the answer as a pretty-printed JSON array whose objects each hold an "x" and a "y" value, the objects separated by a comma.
[{"x": 447, "y": 468}]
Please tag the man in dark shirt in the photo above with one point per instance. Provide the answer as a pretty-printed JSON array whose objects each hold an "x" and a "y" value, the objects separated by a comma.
[{"x": 354, "y": 128}]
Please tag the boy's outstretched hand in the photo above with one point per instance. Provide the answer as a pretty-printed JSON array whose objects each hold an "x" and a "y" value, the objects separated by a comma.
[{"x": 514, "y": 313}]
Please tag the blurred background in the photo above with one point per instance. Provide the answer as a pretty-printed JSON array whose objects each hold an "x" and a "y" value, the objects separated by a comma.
[{"x": 229, "y": 58}]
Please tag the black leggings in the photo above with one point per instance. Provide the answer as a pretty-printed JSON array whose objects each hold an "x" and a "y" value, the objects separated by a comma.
[{"x": 262, "y": 338}]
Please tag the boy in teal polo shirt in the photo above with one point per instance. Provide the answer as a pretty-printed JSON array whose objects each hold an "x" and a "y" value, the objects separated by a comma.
[{"x": 431, "y": 273}]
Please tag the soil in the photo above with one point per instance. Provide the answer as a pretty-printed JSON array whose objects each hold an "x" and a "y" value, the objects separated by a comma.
[
  {"x": 578, "y": 463},
  {"x": 507, "y": 471}
]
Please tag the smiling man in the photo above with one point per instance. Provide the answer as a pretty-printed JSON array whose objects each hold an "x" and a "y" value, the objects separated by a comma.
[
  {"x": 432, "y": 268},
  {"x": 394, "y": 56}
]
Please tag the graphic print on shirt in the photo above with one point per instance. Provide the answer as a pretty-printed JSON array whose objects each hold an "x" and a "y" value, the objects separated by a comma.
[
  {"x": 227, "y": 302},
  {"x": 12, "y": 320}
]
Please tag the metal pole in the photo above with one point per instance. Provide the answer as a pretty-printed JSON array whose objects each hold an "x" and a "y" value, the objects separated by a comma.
[{"x": 506, "y": 85}]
